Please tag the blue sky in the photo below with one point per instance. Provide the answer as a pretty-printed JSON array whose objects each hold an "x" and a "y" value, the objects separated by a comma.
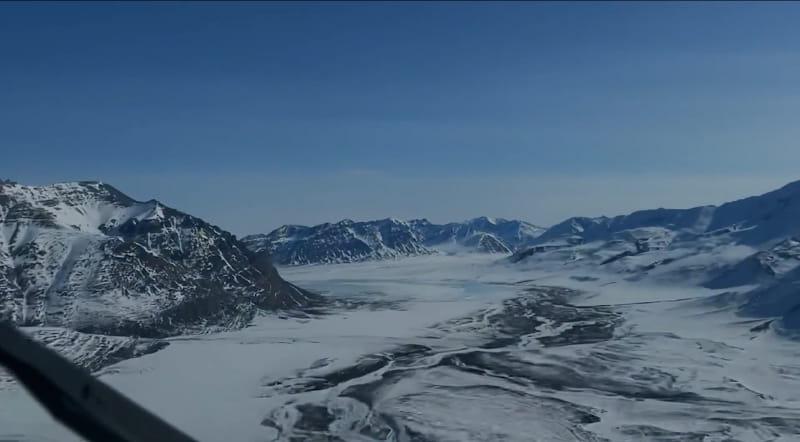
[{"x": 258, "y": 114}]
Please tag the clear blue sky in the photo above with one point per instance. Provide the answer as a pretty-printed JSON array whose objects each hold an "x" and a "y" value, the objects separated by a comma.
[{"x": 258, "y": 114}]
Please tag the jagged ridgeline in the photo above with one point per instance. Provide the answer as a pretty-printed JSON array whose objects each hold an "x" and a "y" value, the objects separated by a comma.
[
  {"x": 87, "y": 257},
  {"x": 352, "y": 241}
]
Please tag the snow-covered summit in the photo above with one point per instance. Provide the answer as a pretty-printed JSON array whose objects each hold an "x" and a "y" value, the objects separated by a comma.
[
  {"x": 749, "y": 245},
  {"x": 350, "y": 241},
  {"x": 86, "y": 206},
  {"x": 758, "y": 221},
  {"x": 87, "y": 257}
]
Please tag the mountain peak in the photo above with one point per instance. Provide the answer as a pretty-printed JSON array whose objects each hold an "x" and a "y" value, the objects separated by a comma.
[
  {"x": 484, "y": 219},
  {"x": 761, "y": 221},
  {"x": 390, "y": 238},
  {"x": 89, "y": 258},
  {"x": 393, "y": 220}
]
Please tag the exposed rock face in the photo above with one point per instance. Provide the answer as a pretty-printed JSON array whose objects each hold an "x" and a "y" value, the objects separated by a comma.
[
  {"x": 765, "y": 266},
  {"x": 345, "y": 241},
  {"x": 349, "y": 241},
  {"x": 750, "y": 246},
  {"x": 759, "y": 221},
  {"x": 86, "y": 257}
]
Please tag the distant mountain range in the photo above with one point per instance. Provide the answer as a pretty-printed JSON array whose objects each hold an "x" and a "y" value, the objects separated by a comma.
[
  {"x": 759, "y": 221},
  {"x": 351, "y": 241},
  {"x": 749, "y": 245},
  {"x": 753, "y": 221},
  {"x": 85, "y": 257}
]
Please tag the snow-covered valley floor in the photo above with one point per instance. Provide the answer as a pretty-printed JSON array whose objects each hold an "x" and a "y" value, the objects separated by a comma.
[{"x": 466, "y": 348}]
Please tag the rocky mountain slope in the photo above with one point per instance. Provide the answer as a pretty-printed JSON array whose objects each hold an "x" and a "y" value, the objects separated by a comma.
[
  {"x": 350, "y": 241},
  {"x": 483, "y": 234},
  {"x": 765, "y": 266},
  {"x": 85, "y": 257},
  {"x": 756, "y": 221},
  {"x": 749, "y": 246}
]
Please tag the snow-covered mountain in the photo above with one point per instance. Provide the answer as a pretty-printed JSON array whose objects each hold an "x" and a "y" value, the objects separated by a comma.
[
  {"x": 344, "y": 241},
  {"x": 483, "y": 234},
  {"x": 85, "y": 257},
  {"x": 758, "y": 221},
  {"x": 762, "y": 267},
  {"x": 580, "y": 230},
  {"x": 350, "y": 241},
  {"x": 749, "y": 246}
]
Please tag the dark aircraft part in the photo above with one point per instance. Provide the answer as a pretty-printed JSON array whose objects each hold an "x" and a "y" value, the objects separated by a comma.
[{"x": 72, "y": 395}]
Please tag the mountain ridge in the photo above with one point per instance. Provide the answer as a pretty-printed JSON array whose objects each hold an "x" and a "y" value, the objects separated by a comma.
[
  {"x": 388, "y": 238},
  {"x": 774, "y": 209},
  {"x": 87, "y": 257},
  {"x": 749, "y": 246}
]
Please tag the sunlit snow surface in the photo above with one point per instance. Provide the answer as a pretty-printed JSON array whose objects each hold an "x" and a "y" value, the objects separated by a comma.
[{"x": 466, "y": 348}]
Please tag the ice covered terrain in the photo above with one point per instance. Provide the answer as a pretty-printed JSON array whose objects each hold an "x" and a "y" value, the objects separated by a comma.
[{"x": 470, "y": 348}]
